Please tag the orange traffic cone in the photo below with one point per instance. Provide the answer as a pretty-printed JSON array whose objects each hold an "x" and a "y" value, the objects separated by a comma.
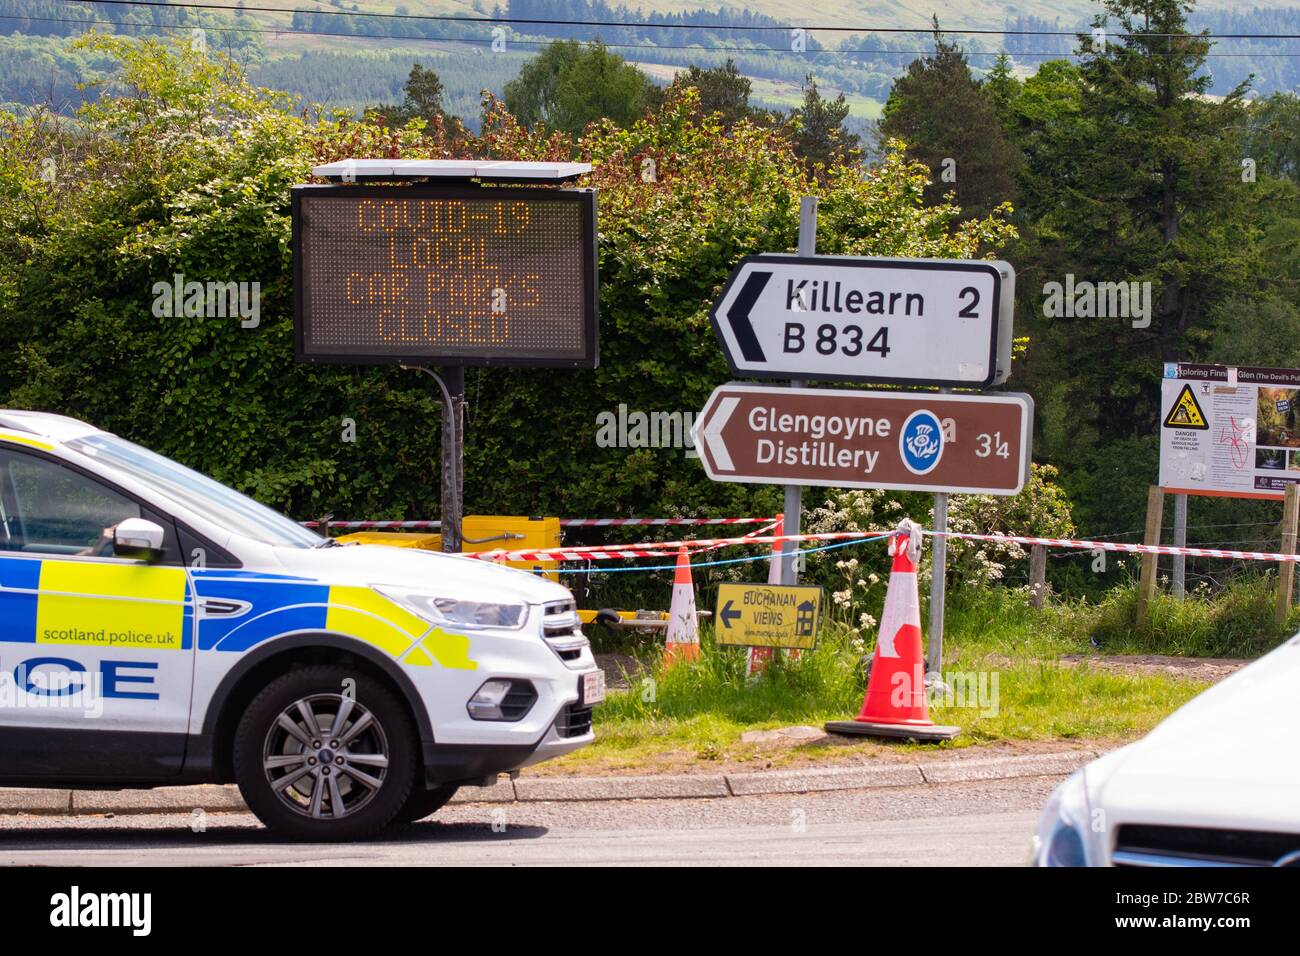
[
  {"x": 895, "y": 704},
  {"x": 757, "y": 658},
  {"x": 682, "y": 640}
]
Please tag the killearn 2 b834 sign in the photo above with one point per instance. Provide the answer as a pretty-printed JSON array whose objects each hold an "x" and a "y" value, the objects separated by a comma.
[{"x": 899, "y": 321}]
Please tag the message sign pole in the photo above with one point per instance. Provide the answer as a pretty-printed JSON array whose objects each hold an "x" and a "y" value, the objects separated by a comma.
[
  {"x": 794, "y": 493},
  {"x": 451, "y": 383},
  {"x": 424, "y": 265},
  {"x": 453, "y": 458}
]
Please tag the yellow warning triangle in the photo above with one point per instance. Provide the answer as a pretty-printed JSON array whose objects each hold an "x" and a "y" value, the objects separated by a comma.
[{"x": 1186, "y": 412}]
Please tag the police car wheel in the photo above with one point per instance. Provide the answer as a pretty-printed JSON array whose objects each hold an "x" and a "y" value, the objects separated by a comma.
[
  {"x": 423, "y": 802},
  {"x": 324, "y": 753}
]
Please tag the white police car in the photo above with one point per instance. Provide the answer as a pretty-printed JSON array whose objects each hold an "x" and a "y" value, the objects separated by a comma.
[{"x": 158, "y": 628}]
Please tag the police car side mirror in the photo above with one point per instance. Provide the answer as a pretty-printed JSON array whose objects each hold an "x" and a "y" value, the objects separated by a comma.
[{"x": 138, "y": 539}]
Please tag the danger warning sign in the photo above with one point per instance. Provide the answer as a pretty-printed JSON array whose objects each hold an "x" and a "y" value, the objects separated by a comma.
[
  {"x": 1186, "y": 412},
  {"x": 1230, "y": 431}
]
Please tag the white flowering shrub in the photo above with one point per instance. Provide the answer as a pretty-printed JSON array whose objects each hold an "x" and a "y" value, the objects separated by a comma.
[
  {"x": 856, "y": 577},
  {"x": 1041, "y": 510}
]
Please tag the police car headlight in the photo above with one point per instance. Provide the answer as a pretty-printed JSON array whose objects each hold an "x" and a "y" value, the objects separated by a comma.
[
  {"x": 1062, "y": 836},
  {"x": 457, "y": 613}
]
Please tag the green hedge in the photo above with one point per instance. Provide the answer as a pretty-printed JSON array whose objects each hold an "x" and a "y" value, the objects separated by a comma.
[{"x": 183, "y": 167}]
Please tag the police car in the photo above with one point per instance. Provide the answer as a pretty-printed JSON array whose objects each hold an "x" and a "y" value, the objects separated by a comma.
[{"x": 158, "y": 628}]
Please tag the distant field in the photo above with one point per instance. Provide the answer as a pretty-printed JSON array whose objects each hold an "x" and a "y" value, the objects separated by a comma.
[
  {"x": 354, "y": 71},
  {"x": 789, "y": 95}
]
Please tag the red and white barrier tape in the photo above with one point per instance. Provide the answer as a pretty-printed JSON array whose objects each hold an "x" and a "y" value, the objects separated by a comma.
[
  {"x": 663, "y": 548},
  {"x": 694, "y": 545},
  {"x": 1121, "y": 546},
  {"x": 619, "y": 522},
  {"x": 659, "y": 549}
]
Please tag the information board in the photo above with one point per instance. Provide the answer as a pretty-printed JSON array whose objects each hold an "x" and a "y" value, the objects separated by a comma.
[{"x": 1229, "y": 431}]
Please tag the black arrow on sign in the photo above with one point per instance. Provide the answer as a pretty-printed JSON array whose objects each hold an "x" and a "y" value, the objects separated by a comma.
[
  {"x": 738, "y": 316},
  {"x": 727, "y": 614}
]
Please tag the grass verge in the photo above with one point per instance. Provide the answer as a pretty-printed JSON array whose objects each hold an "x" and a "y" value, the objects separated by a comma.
[{"x": 1002, "y": 656}]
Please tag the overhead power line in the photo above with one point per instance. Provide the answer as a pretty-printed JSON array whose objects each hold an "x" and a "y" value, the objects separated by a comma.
[
  {"x": 649, "y": 47},
  {"x": 632, "y": 24}
]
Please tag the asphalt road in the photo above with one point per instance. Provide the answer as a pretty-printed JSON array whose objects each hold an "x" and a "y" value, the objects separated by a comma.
[{"x": 969, "y": 824}]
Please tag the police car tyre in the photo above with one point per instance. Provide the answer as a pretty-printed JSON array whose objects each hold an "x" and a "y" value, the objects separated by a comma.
[
  {"x": 325, "y": 753},
  {"x": 423, "y": 802}
]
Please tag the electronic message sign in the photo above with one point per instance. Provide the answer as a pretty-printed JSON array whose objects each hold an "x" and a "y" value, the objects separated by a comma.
[{"x": 445, "y": 275}]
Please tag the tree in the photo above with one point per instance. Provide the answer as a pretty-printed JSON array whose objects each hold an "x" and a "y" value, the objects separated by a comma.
[
  {"x": 422, "y": 99},
  {"x": 424, "y": 93},
  {"x": 1168, "y": 157},
  {"x": 1273, "y": 140},
  {"x": 531, "y": 96},
  {"x": 184, "y": 167},
  {"x": 949, "y": 122},
  {"x": 1001, "y": 84},
  {"x": 723, "y": 89},
  {"x": 819, "y": 134},
  {"x": 569, "y": 85},
  {"x": 1133, "y": 176}
]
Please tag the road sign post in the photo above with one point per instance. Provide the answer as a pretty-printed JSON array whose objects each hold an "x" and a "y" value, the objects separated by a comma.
[
  {"x": 938, "y": 588},
  {"x": 1178, "y": 587},
  {"x": 793, "y": 518}
]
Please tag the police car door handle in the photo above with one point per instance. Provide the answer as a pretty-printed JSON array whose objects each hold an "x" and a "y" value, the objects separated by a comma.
[{"x": 223, "y": 607}]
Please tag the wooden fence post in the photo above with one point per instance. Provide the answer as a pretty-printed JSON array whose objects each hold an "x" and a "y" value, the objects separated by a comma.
[
  {"x": 1037, "y": 575},
  {"x": 1147, "y": 580},
  {"x": 1286, "y": 569}
]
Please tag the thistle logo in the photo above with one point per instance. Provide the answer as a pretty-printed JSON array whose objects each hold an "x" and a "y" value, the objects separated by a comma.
[{"x": 920, "y": 443}]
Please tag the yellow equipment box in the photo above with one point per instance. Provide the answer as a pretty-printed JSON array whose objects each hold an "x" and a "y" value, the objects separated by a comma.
[
  {"x": 395, "y": 539},
  {"x": 513, "y": 533},
  {"x": 482, "y": 533}
]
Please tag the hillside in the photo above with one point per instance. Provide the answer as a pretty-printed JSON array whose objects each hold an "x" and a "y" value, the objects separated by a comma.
[
  {"x": 328, "y": 52},
  {"x": 838, "y": 13}
]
